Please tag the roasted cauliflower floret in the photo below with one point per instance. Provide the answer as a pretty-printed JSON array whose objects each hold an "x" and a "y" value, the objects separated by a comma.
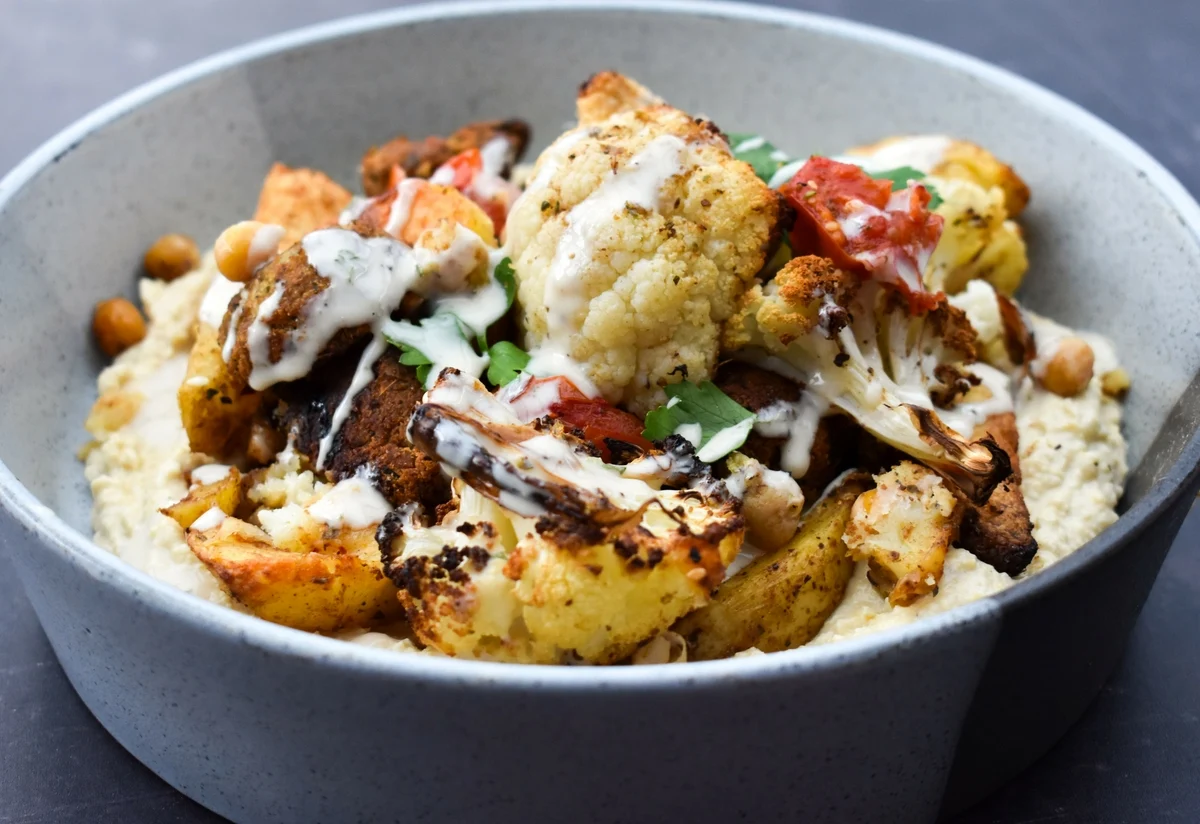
[
  {"x": 888, "y": 366},
  {"x": 607, "y": 93},
  {"x": 978, "y": 241},
  {"x": 633, "y": 241},
  {"x": 551, "y": 555},
  {"x": 903, "y": 528}
]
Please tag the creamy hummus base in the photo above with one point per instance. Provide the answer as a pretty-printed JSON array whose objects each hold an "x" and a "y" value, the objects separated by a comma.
[{"x": 1072, "y": 461}]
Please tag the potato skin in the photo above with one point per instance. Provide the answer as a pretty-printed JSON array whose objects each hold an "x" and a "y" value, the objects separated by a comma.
[
  {"x": 782, "y": 599},
  {"x": 214, "y": 410},
  {"x": 312, "y": 591},
  {"x": 226, "y": 495}
]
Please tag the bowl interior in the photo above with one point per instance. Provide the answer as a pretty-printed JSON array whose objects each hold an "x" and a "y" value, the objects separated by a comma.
[{"x": 1109, "y": 250}]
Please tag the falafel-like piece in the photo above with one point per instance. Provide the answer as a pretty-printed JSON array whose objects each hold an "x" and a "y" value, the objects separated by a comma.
[
  {"x": 756, "y": 388},
  {"x": 299, "y": 282},
  {"x": 420, "y": 158},
  {"x": 999, "y": 532},
  {"x": 374, "y": 432}
]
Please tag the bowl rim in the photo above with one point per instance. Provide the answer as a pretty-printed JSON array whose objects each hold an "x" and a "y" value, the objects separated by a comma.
[{"x": 104, "y": 567}]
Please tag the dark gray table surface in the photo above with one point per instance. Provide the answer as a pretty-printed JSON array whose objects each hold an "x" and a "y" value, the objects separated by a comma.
[{"x": 1135, "y": 755}]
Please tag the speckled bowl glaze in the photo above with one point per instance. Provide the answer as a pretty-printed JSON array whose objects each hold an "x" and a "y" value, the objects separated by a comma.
[{"x": 263, "y": 723}]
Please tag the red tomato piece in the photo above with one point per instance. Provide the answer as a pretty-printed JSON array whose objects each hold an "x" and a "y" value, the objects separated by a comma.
[
  {"x": 863, "y": 226},
  {"x": 594, "y": 417}
]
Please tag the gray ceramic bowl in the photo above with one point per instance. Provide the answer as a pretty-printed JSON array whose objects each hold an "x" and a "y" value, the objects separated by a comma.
[{"x": 262, "y": 723}]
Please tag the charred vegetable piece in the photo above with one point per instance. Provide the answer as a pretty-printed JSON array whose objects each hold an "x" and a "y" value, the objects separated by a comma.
[
  {"x": 343, "y": 586},
  {"x": 885, "y": 365},
  {"x": 999, "y": 531}
]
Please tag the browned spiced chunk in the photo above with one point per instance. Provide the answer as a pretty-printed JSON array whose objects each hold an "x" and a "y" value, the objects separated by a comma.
[
  {"x": 999, "y": 531},
  {"x": 419, "y": 158},
  {"x": 756, "y": 388},
  {"x": 373, "y": 434}
]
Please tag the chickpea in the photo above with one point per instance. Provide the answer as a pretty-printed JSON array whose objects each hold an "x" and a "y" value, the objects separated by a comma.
[
  {"x": 1115, "y": 383},
  {"x": 244, "y": 247},
  {"x": 117, "y": 325},
  {"x": 171, "y": 256},
  {"x": 1069, "y": 369}
]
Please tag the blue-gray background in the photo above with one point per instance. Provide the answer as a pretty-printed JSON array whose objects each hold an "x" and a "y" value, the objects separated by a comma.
[{"x": 1135, "y": 755}]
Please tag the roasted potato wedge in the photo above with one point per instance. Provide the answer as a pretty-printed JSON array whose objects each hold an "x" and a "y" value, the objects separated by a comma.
[
  {"x": 226, "y": 495},
  {"x": 781, "y": 600},
  {"x": 299, "y": 200},
  {"x": 212, "y": 410},
  {"x": 903, "y": 528},
  {"x": 311, "y": 591}
]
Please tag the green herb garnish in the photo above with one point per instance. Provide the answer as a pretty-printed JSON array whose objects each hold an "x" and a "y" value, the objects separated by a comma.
[
  {"x": 762, "y": 155},
  {"x": 506, "y": 362},
  {"x": 901, "y": 175},
  {"x": 702, "y": 404}
]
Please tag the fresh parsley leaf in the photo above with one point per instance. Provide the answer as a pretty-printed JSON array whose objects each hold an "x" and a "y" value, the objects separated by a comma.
[
  {"x": 660, "y": 422},
  {"x": 507, "y": 361},
  {"x": 704, "y": 405},
  {"x": 759, "y": 152},
  {"x": 901, "y": 175},
  {"x": 411, "y": 356},
  {"x": 507, "y": 278}
]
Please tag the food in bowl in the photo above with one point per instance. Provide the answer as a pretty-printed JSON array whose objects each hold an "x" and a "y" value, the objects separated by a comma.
[{"x": 666, "y": 394}]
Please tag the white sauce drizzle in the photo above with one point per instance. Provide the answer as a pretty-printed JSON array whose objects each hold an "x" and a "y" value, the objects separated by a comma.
[
  {"x": 263, "y": 245},
  {"x": 216, "y": 300},
  {"x": 231, "y": 335},
  {"x": 530, "y": 404},
  {"x": 440, "y": 339},
  {"x": 211, "y": 519},
  {"x": 367, "y": 279},
  {"x": 725, "y": 441},
  {"x": 401, "y": 209},
  {"x": 639, "y": 183},
  {"x": 354, "y": 210},
  {"x": 548, "y": 360},
  {"x": 786, "y": 172},
  {"x": 749, "y": 144},
  {"x": 921, "y": 152},
  {"x": 353, "y": 502},
  {"x": 363, "y": 373},
  {"x": 797, "y": 421},
  {"x": 965, "y": 416},
  {"x": 210, "y": 474}
]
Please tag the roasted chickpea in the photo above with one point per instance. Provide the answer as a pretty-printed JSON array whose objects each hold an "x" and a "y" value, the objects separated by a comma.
[
  {"x": 1069, "y": 369},
  {"x": 1115, "y": 383},
  {"x": 245, "y": 246},
  {"x": 117, "y": 325},
  {"x": 171, "y": 256}
]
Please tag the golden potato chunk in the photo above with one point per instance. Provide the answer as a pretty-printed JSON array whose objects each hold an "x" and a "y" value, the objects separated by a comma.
[
  {"x": 312, "y": 591},
  {"x": 781, "y": 599},
  {"x": 903, "y": 529},
  {"x": 299, "y": 200},
  {"x": 226, "y": 495},
  {"x": 212, "y": 408}
]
